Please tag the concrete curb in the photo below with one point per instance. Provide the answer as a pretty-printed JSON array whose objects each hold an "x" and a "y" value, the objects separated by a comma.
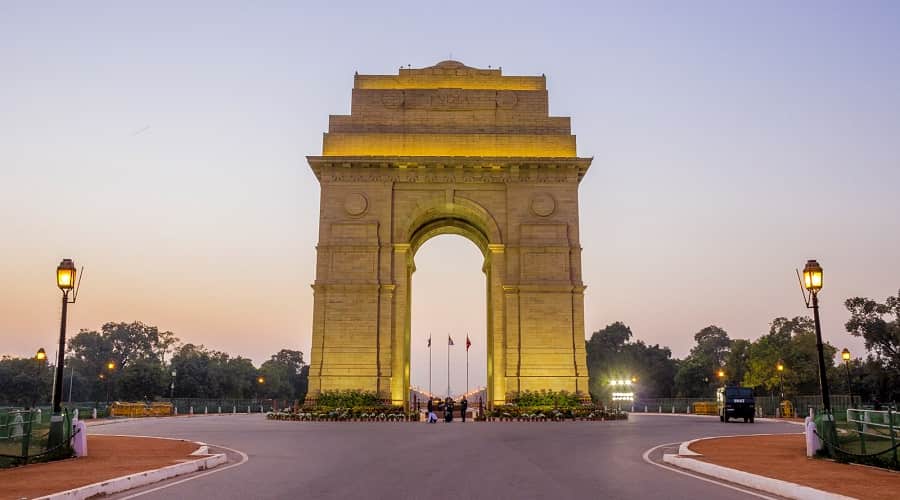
[
  {"x": 757, "y": 482},
  {"x": 144, "y": 478}
]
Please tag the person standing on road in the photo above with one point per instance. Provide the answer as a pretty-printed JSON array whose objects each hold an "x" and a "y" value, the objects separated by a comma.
[
  {"x": 448, "y": 410},
  {"x": 463, "y": 405},
  {"x": 432, "y": 418}
]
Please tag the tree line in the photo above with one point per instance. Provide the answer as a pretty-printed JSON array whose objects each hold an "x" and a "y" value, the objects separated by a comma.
[
  {"x": 716, "y": 358},
  {"x": 138, "y": 362},
  {"x": 134, "y": 361}
]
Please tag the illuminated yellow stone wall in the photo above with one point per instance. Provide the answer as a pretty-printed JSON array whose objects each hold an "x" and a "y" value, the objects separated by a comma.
[
  {"x": 371, "y": 144},
  {"x": 448, "y": 149}
]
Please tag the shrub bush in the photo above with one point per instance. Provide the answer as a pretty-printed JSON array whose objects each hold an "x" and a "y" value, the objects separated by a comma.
[{"x": 347, "y": 399}]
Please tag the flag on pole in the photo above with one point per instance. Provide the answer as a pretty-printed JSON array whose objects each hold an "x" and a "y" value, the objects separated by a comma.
[
  {"x": 468, "y": 343},
  {"x": 429, "y": 341},
  {"x": 450, "y": 340}
]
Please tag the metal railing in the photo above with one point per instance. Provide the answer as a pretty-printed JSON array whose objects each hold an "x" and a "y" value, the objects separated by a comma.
[
  {"x": 870, "y": 433},
  {"x": 195, "y": 406},
  {"x": 24, "y": 437},
  {"x": 766, "y": 406}
]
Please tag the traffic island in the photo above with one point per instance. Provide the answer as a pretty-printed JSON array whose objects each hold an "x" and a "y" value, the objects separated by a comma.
[
  {"x": 777, "y": 464},
  {"x": 114, "y": 463}
]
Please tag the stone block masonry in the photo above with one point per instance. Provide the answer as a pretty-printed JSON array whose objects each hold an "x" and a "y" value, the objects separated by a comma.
[{"x": 448, "y": 149}]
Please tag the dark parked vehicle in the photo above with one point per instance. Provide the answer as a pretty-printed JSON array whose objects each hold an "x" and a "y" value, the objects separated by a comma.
[{"x": 736, "y": 402}]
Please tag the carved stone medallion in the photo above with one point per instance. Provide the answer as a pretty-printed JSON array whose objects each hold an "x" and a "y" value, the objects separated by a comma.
[
  {"x": 356, "y": 204},
  {"x": 543, "y": 204}
]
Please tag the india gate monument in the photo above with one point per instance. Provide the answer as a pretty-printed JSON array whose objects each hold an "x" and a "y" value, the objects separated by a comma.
[{"x": 448, "y": 149}]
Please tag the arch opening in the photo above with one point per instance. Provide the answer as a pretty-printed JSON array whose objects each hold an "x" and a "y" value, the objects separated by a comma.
[{"x": 448, "y": 299}]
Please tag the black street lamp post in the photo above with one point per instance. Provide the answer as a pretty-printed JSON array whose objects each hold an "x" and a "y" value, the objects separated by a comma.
[
  {"x": 845, "y": 355},
  {"x": 780, "y": 368},
  {"x": 110, "y": 366},
  {"x": 41, "y": 358},
  {"x": 812, "y": 281},
  {"x": 65, "y": 280}
]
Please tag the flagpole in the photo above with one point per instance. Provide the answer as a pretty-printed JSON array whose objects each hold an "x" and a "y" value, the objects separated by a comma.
[
  {"x": 467, "y": 363},
  {"x": 430, "y": 394},
  {"x": 448, "y": 365}
]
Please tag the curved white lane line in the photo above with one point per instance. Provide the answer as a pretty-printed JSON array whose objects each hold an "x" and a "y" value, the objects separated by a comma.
[
  {"x": 646, "y": 457},
  {"x": 244, "y": 459}
]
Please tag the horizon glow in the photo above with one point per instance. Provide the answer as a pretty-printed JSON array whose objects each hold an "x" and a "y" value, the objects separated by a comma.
[{"x": 163, "y": 148}]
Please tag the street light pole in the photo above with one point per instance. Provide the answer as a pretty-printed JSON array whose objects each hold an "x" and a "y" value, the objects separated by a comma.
[
  {"x": 110, "y": 366},
  {"x": 60, "y": 356},
  {"x": 823, "y": 373},
  {"x": 41, "y": 358},
  {"x": 65, "y": 280},
  {"x": 845, "y": 355},
  {"x": 812, "y": 282},
  {"x": 780, "y": 368}
]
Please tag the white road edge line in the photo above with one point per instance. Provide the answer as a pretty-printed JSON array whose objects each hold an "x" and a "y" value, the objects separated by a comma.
[
  {"x": 646, "y": 457},
  {"x": 244, "y": 459}
]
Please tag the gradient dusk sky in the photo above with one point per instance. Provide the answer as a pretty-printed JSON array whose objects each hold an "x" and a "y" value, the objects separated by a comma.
[{"x": 162, "y": 146}]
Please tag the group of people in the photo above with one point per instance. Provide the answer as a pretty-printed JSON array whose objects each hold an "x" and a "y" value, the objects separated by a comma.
[{"x": 448, "y": 406}]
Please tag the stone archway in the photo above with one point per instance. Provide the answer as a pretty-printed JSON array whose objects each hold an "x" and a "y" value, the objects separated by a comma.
[{"x": 448, "y": 149}]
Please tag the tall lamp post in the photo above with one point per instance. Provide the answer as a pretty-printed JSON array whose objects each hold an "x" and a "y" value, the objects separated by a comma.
[
  {"x": 172, "y": 388},
  {"x": 779, "y": 367},
  {"x": 110, "y": 366},
  {"x": 65, "y": 280},
  {"x": 812, "y": 282},
  {"x": 260, "y": 381},
  {"x": 41, "y": 357},
  {"x": 845, "y": 355}
]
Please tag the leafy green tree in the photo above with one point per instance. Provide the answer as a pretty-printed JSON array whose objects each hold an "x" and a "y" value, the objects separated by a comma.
[
  {"x": 284, "y": 374},
  {"x": 142, "y": 379},
  {"x": 737, "y": 362},
  {"x": 693, "y": 379},
  {"x": 302, "y": 384},
  {"x": 879, "y": 325},
  {"x": 697, "y": 374},
  {"x": 793, "y": 341},
  {"x": 238, "y": 376},
  {"x": 25, "y": 381},
  {"x": 612, "y": 355},
  {"x": 194, "y": 377},
  {"x": 712, "y": 346},
  {"x": 135, "y": 349}
]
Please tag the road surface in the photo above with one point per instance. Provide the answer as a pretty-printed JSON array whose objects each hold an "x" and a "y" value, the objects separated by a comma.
[{"x": 500, "y": 460}]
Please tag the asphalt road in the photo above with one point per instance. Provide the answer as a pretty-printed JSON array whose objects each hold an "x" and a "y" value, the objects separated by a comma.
[{"x": 510, "y": 460}]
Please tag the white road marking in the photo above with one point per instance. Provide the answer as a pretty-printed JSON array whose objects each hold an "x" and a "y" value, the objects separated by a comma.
[
  {"x": 646, "y": 458},
  {"x": 244, "y": 459}
]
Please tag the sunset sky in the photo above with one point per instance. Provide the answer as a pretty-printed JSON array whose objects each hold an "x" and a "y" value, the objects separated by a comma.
[{"x": 163, "y": 148}]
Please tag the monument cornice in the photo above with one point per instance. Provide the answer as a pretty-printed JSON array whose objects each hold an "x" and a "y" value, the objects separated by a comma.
[{"x": 451, "y": 169}]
